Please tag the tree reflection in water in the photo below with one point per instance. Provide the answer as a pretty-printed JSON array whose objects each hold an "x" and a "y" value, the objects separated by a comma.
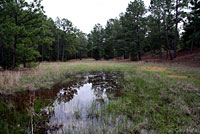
[{"x": 65, "y": 105}]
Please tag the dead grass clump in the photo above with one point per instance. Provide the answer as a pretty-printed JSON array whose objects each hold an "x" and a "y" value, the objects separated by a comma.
[
  {"x": 1, "y": 81},
  {"x": 13, "y": 79},
  {"x": 154, "y": 69},
  {"x": 178, "y": 76},
  {"x": 9, "y": 79}
]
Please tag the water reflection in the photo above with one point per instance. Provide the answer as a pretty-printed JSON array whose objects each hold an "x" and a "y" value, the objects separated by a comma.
[
  {"x": 73, "y": 105},
  {"x": 64, "y": 108}
]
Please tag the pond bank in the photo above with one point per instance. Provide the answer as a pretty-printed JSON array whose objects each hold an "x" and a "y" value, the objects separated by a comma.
[{"x": 150, "y": 101}]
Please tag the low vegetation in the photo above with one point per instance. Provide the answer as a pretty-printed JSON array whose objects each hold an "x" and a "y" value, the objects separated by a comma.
[
  {"x": 154, "y": 98},
  {"x": 157, "y": 98}
]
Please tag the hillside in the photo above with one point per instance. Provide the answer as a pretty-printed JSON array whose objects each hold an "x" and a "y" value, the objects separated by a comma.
[{"x": 183, "y": 57}]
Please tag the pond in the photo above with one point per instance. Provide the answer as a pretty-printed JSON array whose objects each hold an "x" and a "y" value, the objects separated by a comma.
[{"x": 73, "y": 107}]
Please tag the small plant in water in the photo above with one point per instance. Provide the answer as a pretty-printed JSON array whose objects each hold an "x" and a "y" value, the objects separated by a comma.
[
  {"x": 77, "y": 114},
  {"x": 93, "y": 112}
]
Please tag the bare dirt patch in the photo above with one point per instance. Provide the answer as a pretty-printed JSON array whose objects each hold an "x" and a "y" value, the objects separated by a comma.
[
  {"x": 178, "y": 76},
  {"x": 153, "y": 68},
  {"x": 183, "y": 57}
]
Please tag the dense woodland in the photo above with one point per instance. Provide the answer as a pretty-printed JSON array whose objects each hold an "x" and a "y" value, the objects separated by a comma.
[{"x": 27, "y": 35}]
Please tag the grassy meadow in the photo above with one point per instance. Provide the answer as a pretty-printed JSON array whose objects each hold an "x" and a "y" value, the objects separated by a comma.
[{"x": 156, "y": 98}]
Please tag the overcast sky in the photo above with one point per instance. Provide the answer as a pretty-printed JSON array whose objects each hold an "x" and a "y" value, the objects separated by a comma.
[{"x": 86, "y": 13}]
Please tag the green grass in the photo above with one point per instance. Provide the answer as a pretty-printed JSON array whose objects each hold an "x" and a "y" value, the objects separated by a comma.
[
  {"x": 159, "y": 104},
  {"x": 152, "y": 100}
]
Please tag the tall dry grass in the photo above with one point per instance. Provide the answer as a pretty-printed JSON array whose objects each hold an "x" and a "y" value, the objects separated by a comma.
[
  {"x": 14, "y": 79},
  {"x": 49, "y": 73},
  {"x": 9, "y": 79},
  {"x": 44, "y": 74}
]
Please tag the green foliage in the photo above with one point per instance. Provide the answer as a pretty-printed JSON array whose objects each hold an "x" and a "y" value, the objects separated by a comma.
[
  {"x": 27, "y": 35},
  {"x": 155, "y": 103},
  {"x": 12, "y": 121},
  {"x": 19, "y": 28},
  {"x": 33, "y": 64},
  {"x": 138, "y": 31},
  {"x": 120, "y": 37},
  {"x": 96, "y": 40},
  {"x": 148, "y": 99},
  {"x": 70, "y": 42},
  {"x": 192, "y": 27}
]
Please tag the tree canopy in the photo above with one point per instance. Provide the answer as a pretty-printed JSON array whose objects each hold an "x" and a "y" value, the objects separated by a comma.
[{"x": 27, "y": 35}]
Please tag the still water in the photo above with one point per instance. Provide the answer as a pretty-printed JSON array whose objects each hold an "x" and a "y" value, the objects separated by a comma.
[{"x": 73, "y": 107}]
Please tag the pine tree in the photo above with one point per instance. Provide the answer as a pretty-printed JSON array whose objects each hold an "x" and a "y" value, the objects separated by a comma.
[
  {"x": 136, "y": 23},
  {"x": 192, "y": 28}
]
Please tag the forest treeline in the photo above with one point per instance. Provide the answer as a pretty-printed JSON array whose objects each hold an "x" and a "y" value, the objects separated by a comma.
[{"x": 27, "y": 35}]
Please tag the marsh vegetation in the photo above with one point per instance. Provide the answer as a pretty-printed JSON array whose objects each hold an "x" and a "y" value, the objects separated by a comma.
[
  {"x": 100, "y": 97},
  {"x": 57, "y": 79}
]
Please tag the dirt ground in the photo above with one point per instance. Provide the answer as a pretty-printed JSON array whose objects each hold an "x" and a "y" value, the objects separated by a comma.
[{"x": 183, "y": 57}]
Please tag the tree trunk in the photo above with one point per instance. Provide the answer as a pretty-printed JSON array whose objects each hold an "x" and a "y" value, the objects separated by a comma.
[
  {"x": 49, "y": 59},
  {"x": 176, "y": 30},
  {"x": 139, "y": 55},
  {"x": 2, "y": 50},
  {"x": 66, "y": 56},
  {"x": 167, "y": 38},
  {"x": 15, "y": 41},
  {"x": 10, "y": 51},
  {"x": 138, "y": 46},
  {"x": 25, "y": 56},
  {"x": 124, "y": 55},
  {"x": 14, "y": 53},
  {"x": 192, "y": 45},
  {"x": 167, "y": 34},
  {"x": 168, "y": 46},
  {"x": 63, "y": 52},
  {"x": 58, "y": 58},
  {"x": 167, "y": 53},
  {"x": 160, "y": 43},
  {"x": 80, "y": 55},
  {"x": 42, "y": 52}
]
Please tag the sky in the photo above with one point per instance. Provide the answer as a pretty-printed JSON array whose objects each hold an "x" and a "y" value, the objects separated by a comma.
[{"x": 86, "y": 13}]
